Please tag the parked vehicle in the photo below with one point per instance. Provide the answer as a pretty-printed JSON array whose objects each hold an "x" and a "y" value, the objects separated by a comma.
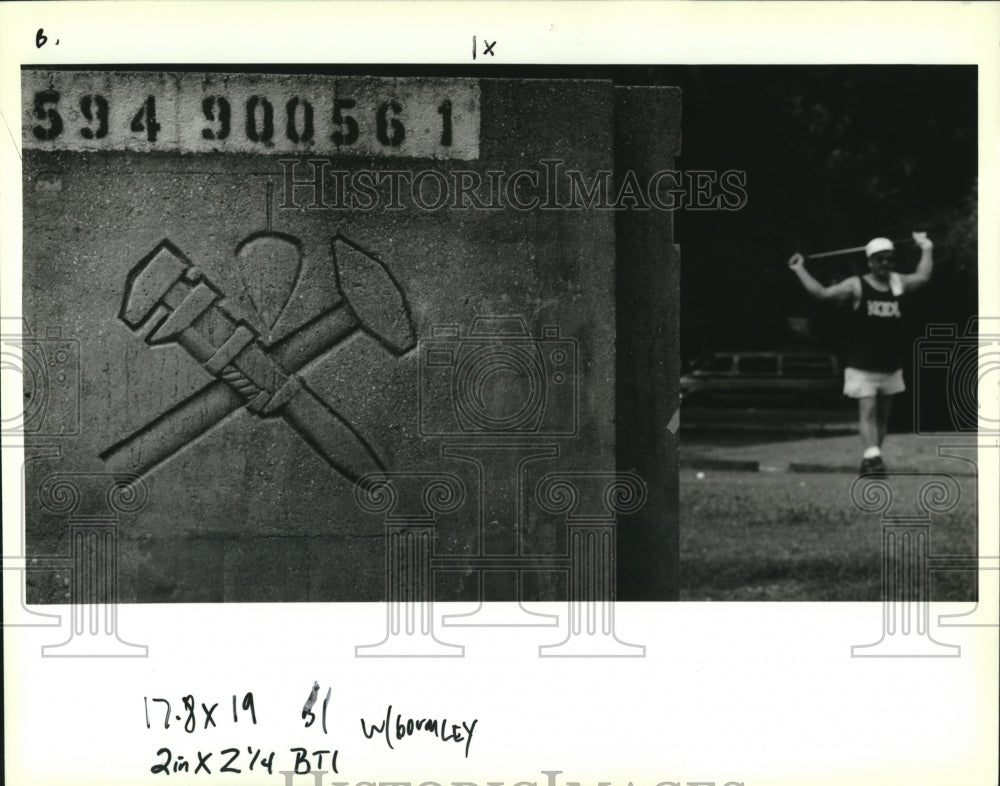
[{"x": 759, "y": 377}]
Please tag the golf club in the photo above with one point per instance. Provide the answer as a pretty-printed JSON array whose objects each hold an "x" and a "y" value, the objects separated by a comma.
[{"x": 853, "y": 249}]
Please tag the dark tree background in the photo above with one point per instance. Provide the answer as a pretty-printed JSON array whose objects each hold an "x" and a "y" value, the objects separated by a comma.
[{"x": 834, "y": 156}]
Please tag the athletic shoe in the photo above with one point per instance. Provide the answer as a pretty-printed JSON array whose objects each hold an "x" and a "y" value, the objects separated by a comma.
[{"x": 873, "y": 466}]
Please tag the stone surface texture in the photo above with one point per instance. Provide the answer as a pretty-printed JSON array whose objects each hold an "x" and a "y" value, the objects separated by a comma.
[{"x": 249, "y": 511}]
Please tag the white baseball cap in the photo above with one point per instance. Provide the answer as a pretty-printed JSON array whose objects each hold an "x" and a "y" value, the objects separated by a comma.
[{"x": 878, "y": 244}]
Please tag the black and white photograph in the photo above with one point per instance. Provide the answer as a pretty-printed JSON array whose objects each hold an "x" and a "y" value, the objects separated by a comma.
[
  {"x": 354, "y": 403},
  {"x": 533, "y": 329},
  {"x": 347, "y": 302}
]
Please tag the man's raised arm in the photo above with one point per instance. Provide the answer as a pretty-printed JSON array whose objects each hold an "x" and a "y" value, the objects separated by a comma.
[
  {"x": 839, "y": 292},
  {"x": 925, "y": 266}
]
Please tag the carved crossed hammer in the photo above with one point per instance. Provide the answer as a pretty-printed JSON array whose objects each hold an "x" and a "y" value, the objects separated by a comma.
[{"x": 171, "y": 298}]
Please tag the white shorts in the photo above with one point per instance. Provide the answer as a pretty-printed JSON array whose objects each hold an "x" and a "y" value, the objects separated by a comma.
[{"x": 862, "y": 384}]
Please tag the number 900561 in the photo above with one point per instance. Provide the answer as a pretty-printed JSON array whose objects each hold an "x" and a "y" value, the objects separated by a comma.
[{"x": 251, "y": 113}]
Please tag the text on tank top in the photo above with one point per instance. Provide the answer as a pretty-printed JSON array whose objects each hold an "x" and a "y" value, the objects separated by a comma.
[{"x": 878, "y": 340}]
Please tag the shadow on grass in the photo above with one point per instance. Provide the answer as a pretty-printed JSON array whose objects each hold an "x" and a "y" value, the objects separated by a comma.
[{"x": 781, "y": 536}]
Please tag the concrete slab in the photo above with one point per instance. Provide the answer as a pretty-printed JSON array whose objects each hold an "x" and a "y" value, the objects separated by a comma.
[{"x": 248, "y": 320}]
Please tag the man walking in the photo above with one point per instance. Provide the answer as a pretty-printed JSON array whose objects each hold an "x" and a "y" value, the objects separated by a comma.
[{"x": 877, "y": 342}]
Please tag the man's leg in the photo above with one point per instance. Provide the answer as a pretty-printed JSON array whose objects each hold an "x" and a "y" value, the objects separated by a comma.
[
  {"x": 871, "y": 436},
  {"x": 868, "y": 423},
  {"x": 860, "y": 385},
  {"x": 884, "y": 406}
]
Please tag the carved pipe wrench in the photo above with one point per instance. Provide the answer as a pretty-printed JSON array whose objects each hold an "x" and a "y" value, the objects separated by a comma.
[{"x": 186, "y": 308}]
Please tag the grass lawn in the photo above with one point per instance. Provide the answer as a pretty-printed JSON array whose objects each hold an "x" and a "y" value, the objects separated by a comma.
[{"x": 789, "y": 536}]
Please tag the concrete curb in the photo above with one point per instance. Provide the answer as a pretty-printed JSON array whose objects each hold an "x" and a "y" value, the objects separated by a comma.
[
  {"x": 805, "y": 429},
  {"x": 741, "y": 465},
  {"x": 730, "y": 465}
]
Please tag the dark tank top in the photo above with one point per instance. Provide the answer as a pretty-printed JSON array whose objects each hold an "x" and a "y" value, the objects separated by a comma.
[{"x": 877, "y": 338}]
